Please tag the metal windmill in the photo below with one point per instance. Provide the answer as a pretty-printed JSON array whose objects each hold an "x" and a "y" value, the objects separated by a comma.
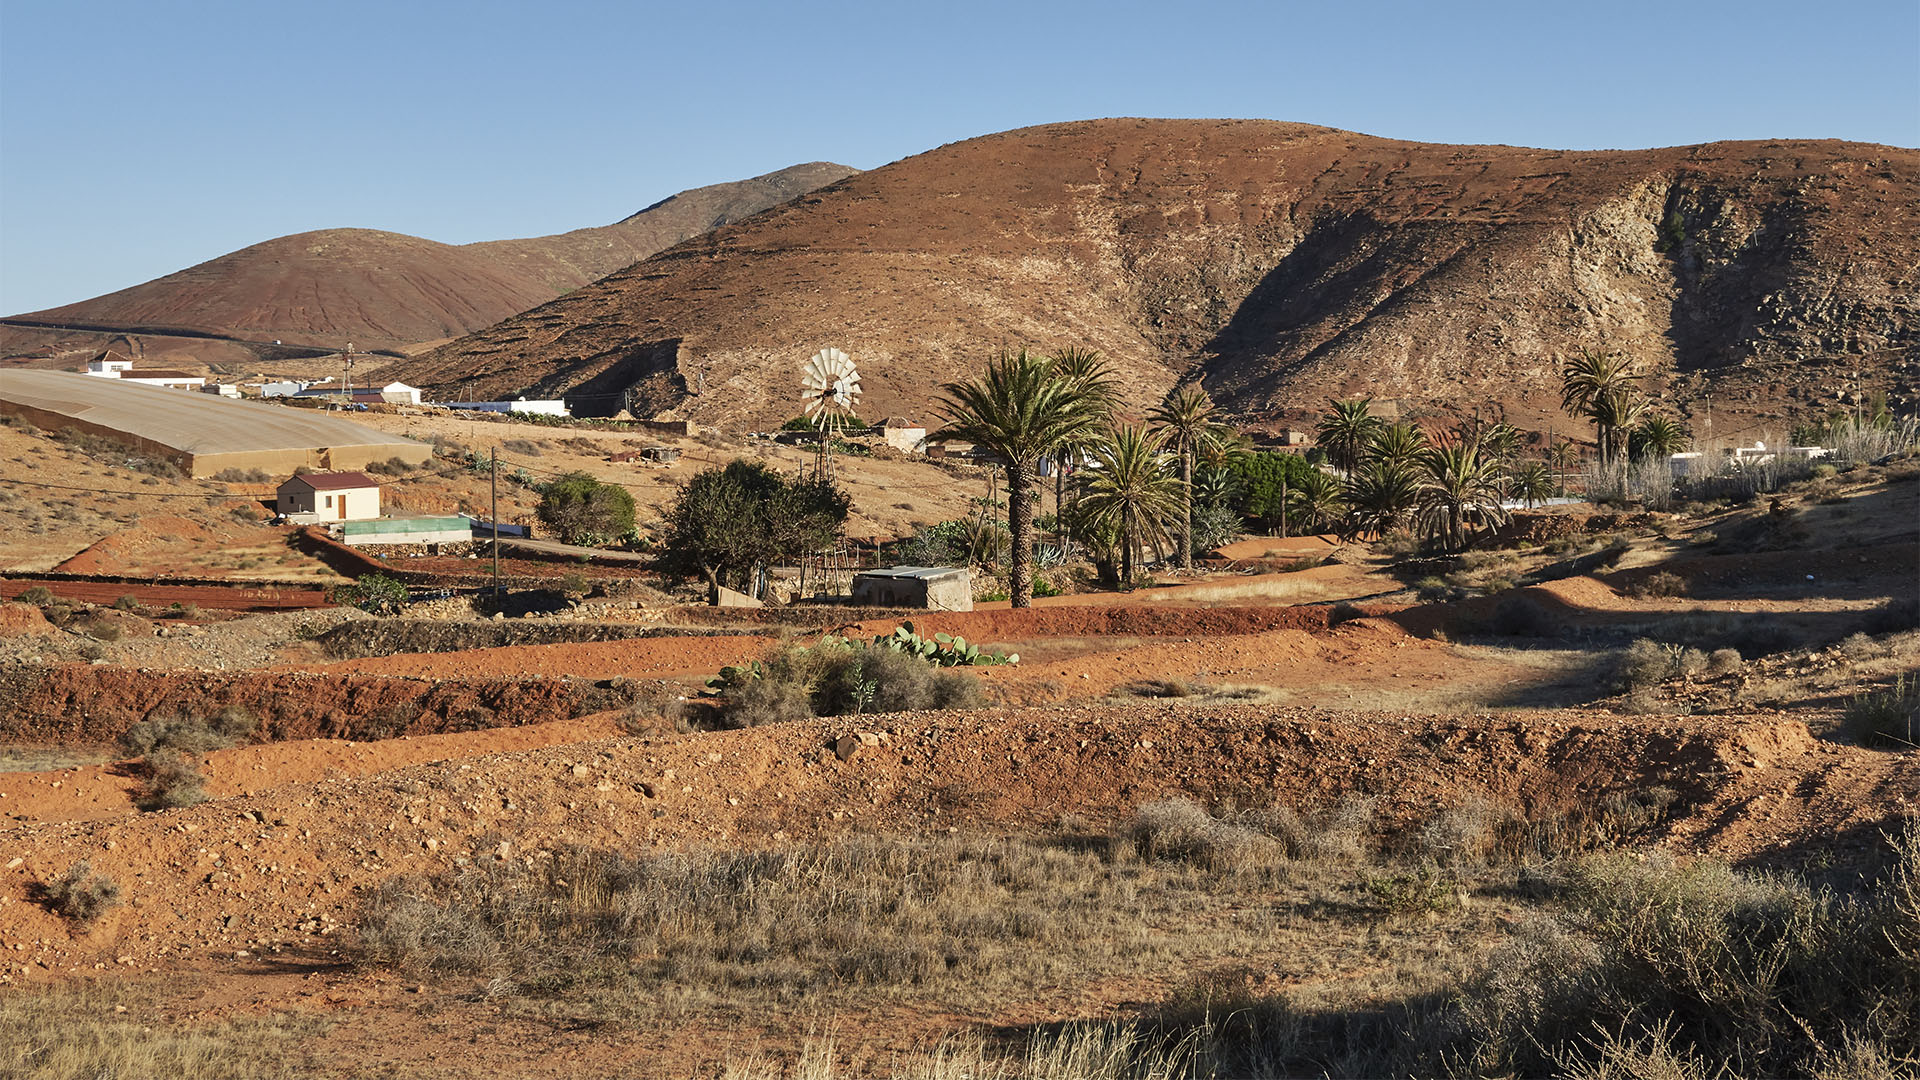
[{"x": 829, "y": 390}]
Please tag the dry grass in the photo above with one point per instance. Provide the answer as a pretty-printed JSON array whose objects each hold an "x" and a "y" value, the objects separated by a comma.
[
  {"x": 1641, "y": 967},
  {"x": 93, "y": 1031}
]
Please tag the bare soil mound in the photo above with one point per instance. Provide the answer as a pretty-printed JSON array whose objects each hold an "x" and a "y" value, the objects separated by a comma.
[
  {"x": 1283, "y": 262},
  {"x": 282, "y": 868}
]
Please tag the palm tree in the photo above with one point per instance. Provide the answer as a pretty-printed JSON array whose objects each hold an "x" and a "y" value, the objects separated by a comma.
[
  {"x": 1600, "y": 386},
  {"x": 1316, "y": 501},
  {"x": 1346, "y": 432},
  {"x": 1657, "y": 437},
  {"x": 1532, "y": 482},
  {"x": 1087, "y": 370},
  {"x": 1184, "y": 420},
  {"x": 1020, "y": 410},
  {"x": 1130, "y": 489},
  {"x": 1460, "y": 483},
  {"x": 1397, "y": 444},
  {"x": 1379, "y": 496}
]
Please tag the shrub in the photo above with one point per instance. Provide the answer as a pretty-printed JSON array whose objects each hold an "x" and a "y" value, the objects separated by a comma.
[
  {"x": 1662, "y": 584},
  {"x": 192, "y": 735},
  {"x": 127, "y": 603},
  {"x": 173, "y": 781},
  {"x": 374, "y": 593},
  {"x": 38, "y": 596},
  {"x": 582, "y": 510},
  {"x": 1642, "y": 666},
  {"x": 1888, "y": 717},
  {"x": 1180, "y": 830},
  {"x": 1724, "y": 662},
  {"x": 1706, "y": 963},
  {"x": 82, "y": 894},
  {"x": 837, "y": 678}
]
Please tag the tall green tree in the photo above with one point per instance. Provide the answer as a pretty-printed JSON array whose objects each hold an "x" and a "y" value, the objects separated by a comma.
[
  {"x": 583, "y": 510},
  {"x": 1267, "y": 481},
  {"x": 1129, "y": 487},
  {"x": 1460, "y": 483},
  {"x": 1184, "y": 421},
  {"x": 1601, "y": 387},
  {"x": 1019, "y": 410},
  {"x": 1089, "y": 372},
  {"x": 1346, "y": 432},
  {"x": 726, "y": 524}
]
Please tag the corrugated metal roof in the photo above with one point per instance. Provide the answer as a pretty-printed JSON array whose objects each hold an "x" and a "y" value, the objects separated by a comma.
[
  {"x": 196, "y": 423},
  {"x": 923, "y": 572}
]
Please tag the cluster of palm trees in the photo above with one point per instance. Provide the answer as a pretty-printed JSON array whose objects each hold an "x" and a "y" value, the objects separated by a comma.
[
  {"x": 1138, "y": 489},
  {"x": 1603, "y": 387},
  {"x": 1146, "y": 477},
  {"x": 1397, "y": 477}
]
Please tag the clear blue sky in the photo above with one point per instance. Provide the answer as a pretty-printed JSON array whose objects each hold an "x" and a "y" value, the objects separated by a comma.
[{"x": 138, "y": 137}]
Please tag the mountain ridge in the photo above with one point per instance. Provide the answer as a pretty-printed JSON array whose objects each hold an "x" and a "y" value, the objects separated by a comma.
[
  {"x": 1278, "y": 264},
  {"x": 385, "y": 290}
]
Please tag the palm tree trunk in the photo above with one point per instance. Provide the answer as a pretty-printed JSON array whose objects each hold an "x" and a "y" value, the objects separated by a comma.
[
  {"x": 1186, "y": 513},
  {"x": 1020, "y": 524}
]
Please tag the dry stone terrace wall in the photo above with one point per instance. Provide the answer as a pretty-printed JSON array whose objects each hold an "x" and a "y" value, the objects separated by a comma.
[{"x": 83, "y": 705}]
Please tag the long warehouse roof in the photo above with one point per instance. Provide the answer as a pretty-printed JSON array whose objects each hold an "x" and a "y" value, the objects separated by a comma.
[{"x": 193, "y": 422}]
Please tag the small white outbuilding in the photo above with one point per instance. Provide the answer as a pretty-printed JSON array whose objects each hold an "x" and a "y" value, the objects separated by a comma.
[{"x": 329, "y": 496}]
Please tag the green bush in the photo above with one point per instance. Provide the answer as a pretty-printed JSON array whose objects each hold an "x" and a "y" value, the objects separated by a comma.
[
  {"x": 582, "y": 510},
  {"x": 82, "y": 894},
  {"x": 127, "y": 603},
  {"x": 38, "y": 596},
  {"x": 375, "y": 593},
  {"x": 836, "y": 677}
]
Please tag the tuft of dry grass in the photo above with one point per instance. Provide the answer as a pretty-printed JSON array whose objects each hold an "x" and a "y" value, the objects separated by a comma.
[{"x": 81, "y": 894}]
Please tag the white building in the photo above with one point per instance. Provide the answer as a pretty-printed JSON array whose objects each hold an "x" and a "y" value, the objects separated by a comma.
[
  {"x": 336, "y": 496},
  {"x": 518, "y": 405}
]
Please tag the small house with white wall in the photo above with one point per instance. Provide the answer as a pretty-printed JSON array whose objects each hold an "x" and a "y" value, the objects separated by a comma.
[
  {"x": 109, "y": 365},
  {"x": 904, "y": 435},
  {"x": 328, "y": 496}
]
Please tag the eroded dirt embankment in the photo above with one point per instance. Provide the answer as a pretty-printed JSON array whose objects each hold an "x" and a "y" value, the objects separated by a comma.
[
  {"x": 87, "y": 705},
  {"x": 285, "y": 867}
]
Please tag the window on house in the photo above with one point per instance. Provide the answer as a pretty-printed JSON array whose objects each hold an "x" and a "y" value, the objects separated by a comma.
[{"x": 329, "y": 501}]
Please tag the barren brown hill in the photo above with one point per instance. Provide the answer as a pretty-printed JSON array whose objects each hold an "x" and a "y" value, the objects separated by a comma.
[
  {"x": 382, "y": 290},
  {"x": 1280, "y": 263}
]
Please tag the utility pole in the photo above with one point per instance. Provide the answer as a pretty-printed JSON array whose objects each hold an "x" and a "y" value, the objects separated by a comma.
[
  {"x": 493, "y": 471},
  {"x": 1283, "y": 504}
]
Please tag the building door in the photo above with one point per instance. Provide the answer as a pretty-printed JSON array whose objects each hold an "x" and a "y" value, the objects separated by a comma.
[{"x": 343, "y": 506}]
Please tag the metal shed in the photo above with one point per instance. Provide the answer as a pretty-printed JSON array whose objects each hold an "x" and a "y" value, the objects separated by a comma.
[{"x": 930, "y": 588}]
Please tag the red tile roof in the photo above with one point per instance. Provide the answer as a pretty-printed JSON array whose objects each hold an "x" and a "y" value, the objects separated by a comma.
[{"x": 334, "y": 481}]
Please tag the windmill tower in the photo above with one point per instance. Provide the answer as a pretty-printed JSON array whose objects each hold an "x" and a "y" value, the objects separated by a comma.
[{"x": 829, "y": 390}]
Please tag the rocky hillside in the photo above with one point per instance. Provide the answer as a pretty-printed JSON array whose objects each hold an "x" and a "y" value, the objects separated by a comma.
[
  {"x": 382, "y": 290},
  {"x": 1281, "y": 264}
]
